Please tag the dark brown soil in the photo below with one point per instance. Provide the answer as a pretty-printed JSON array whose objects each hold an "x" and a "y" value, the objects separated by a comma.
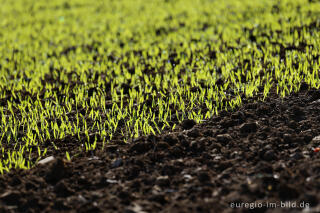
[{"x": 260, "y": 153}]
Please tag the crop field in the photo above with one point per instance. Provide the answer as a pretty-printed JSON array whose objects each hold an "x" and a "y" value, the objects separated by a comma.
[{"x": 159, "y": 105}]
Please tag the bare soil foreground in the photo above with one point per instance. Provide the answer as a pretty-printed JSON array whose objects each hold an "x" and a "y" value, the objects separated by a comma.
[{"x": 260, "y": 158}]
